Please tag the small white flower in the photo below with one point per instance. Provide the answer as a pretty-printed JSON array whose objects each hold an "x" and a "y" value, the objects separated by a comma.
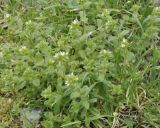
[
  {"x": 67, "y": 83},
  {"x": 133, "y": 60},
  {"x": 106, "y": 52},
  {"x": 60, "y": 54},
  {"x": 71, "y": 26},
  {"x": 7, "y": 15},
  {"x": 157, "y": 8},
  {"x": 75, "y": 21},
  {"x": 56, "y": 55},
  {"x": 22, "y": 48},
  {"x": 115, "y": 114},
  {"x": 28, "y": 22},
  {"x": 124, "y": 40},
  {"x": 70, "y": 75},
  {"x": 123, "y": 45},
  {"x": 52, "y": 61},
  {"x": 9, "y": 100},
  {"x": 103, "y": 51},
  {"x": 90, "y": 33},
  {"x": 128, "y": 2}
]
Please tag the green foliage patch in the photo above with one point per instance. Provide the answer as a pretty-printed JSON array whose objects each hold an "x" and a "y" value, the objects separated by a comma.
[{"x": 79, "y": 64}]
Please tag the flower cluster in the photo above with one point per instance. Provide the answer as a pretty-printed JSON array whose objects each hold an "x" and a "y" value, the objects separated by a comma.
[
  {"x": 22, "y": 48},
  {"x": 71, "y": 79},
  {"x": 28, "y": 22},
  {"x": 75, "y": 22},
  {"x": 156, "y": 10},
  {"x": 124, "y": 42},
  {"x": 106, "y": 53},
  {"x": 62, "y": 55}
]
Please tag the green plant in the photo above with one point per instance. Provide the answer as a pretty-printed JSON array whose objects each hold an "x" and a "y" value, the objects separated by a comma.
[{"x": 83, "y": 63}]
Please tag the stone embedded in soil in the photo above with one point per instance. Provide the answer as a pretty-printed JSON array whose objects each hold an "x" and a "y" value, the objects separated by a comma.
[{"x": 32, "y": 115}]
